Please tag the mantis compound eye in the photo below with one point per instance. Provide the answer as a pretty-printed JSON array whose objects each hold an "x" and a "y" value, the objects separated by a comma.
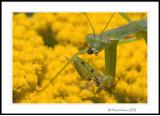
[{"x": 90, "y": 51}]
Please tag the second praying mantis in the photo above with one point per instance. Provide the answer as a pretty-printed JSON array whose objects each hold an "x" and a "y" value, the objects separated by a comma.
[{"x": 107, "y": 41}]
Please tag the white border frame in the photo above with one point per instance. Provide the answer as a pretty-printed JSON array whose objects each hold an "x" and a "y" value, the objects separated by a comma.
[{"x": 9, "y": 7}]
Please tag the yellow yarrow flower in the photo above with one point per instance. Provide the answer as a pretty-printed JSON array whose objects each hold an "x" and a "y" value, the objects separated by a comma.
[{"x": 35, "y": 63}]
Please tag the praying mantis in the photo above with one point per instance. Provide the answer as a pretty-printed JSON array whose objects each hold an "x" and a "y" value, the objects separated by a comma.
[{"x": 108, "y": 42}]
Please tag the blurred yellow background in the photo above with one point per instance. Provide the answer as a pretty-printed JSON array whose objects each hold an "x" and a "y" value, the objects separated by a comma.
[{"x": 42, "y": 40}]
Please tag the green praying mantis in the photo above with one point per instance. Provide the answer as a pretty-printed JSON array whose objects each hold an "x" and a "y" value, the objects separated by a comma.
[{"x": 107, "y": 41}]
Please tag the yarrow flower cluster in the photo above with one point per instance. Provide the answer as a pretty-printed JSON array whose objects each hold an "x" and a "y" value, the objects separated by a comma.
[{"x": 42, "y": 40}]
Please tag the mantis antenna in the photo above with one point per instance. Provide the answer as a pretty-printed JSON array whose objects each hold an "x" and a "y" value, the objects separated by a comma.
[
  {"x": 90, "y": 24},
  {"x": 107, "y": 24}
]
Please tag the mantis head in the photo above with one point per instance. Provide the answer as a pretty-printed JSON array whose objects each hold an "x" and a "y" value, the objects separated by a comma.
[{"x": 97, "y": 42}]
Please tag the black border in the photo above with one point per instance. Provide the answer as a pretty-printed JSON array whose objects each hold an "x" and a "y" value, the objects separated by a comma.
[{"x": 73, "y": 113}]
